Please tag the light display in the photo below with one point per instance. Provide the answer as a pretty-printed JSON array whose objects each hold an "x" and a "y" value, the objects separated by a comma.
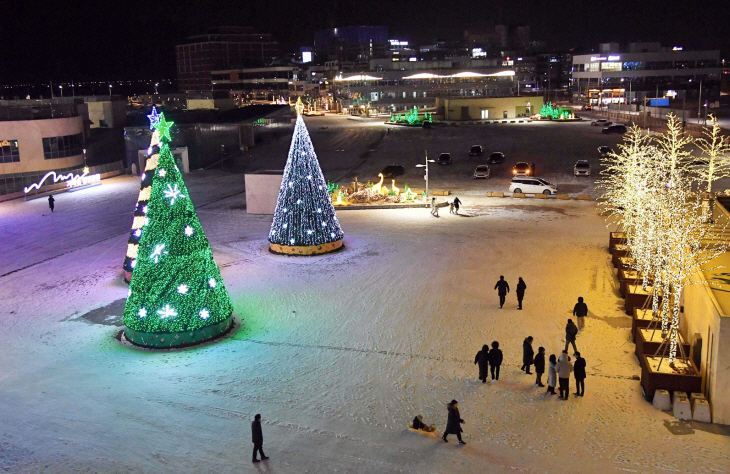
[
  {"x": 305, "y": 222},
  {"x": 411, "y": 117},
  {"x": 72, "y": 180},
  {"x": 177, "y": 296},
  {"x": 715, "y": 149},
  {"x": 649, "y": 189}
]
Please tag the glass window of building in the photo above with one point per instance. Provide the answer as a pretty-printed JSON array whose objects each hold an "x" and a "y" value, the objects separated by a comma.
[
  {"x": 485, "y": 113},
  {"x": 9, "y": 151},
  {"x": 62, "y": 147},
  {"x": 593, "y": 67},
  {"x": 610, "y": 66}
]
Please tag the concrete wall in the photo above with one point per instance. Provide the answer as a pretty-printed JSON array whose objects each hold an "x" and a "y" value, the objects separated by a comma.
[
  {"x": 497, "y": 106},
  {"x": 262, "y": 191},
  {"x": 30, "y": 134},
  {"x": 113, "y": 113},
  {"x": 215, "y": 104}
]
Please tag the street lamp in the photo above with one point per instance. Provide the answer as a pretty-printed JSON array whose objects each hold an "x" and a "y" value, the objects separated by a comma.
[
  {"x": 110, "y": 90},
  {"x": 156, "y": 84},
  {"x": 61, "y": 87},
  {"x": 426, "y": 166}
]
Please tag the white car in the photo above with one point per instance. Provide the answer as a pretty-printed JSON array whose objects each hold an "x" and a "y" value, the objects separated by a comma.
[
  {"x": 530, "y": 185},
  {"x": 601, "y": 122},
  {"x": 481, "y": 171},
  {"x": 582, "y": 168}
]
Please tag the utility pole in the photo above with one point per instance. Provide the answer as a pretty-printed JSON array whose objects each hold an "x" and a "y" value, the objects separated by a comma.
[
  {"x": 426, "y": 166},
  {"x": 699, "y": 104}
]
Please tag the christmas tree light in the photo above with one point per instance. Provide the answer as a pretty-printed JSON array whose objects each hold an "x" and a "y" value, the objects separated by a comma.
[
  {"x": 305, "y": 222},
  {"x": 176, "y": 296}
]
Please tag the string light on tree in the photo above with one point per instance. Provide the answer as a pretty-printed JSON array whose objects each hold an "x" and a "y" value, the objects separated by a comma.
[
  {"x": 175, "y": 279},
  {"x": 303, "y": 202}
]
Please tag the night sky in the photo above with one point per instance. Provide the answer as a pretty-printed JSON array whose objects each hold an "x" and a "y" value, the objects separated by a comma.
[{"x": 81, "y": 40}]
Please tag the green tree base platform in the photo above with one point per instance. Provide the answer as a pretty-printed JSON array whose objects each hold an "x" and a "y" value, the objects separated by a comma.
[{"x": 169, "y": 340}]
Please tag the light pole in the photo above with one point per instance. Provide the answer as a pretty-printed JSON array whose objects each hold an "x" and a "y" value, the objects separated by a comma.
[
  {"x": 156, "y": 84},
  {"x": 426, "y": 166},
  {"x": 61, "y": 87},
  {"x": 110, "y": 90}
]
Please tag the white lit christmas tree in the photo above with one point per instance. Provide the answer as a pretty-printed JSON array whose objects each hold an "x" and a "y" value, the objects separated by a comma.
[{"x": 305, "y": 222}]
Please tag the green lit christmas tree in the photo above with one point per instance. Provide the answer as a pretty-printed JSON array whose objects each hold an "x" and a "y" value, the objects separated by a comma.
[
  {"x": 176, "y": 296},
  {"x": 305, "y": 222}
]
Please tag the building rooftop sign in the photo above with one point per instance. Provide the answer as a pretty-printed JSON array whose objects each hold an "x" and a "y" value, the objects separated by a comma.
[{"x": 615, "y": 57}]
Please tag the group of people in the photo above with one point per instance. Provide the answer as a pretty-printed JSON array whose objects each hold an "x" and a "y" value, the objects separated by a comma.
[
  {"x": 453, "y": 423},
  {"x": 453, "y": 206},
  {"x": 559, "y": 369},
  {"x": 502, "y": 288},
  {"x": 489, "y": 359}
]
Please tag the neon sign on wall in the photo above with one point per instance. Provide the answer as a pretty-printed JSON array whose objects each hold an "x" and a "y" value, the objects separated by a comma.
[{"x": 72, "y": 180}]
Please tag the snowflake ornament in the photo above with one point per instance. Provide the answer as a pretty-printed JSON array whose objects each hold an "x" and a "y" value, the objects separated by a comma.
[
  {"x": 204, "y": 314},
  {"x": 182, "y": 289},
  {"x": 158, "y": 252},
  {"x": 172, "y": 193},
  {"x": 167, "y": 312}
]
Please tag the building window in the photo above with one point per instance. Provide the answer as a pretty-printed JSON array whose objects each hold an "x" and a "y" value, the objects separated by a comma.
[
  {"x": 9, "y": 151},
  {"x": 485, "y": 114},
  {"x": 610, "y": 66},
  {"x": 504, "y": 114},
  {"x": 61, "y": 147}
]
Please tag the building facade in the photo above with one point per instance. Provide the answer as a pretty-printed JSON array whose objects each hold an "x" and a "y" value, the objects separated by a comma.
[
  {"x": 356, "y": 44},
  {"x": 488, "y": 108},
  {"x": 646, "y": 67},
  {"x": 223, "y": 48}
]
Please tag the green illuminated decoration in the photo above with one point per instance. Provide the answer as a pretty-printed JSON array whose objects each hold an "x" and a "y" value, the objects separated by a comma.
[
  {"x": 176, "y": 296},
  {"x": 553, "y": 112},
  {"x": 411, "y": 117}
]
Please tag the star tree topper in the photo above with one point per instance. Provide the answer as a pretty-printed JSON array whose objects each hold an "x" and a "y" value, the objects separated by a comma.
[
  {"x": 163, "y": 127},
  {"x": 154, "y": 118}
]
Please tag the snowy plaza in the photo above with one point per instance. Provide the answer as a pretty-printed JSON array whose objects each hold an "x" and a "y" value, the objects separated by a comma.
[{"x": 338, "y": 352}]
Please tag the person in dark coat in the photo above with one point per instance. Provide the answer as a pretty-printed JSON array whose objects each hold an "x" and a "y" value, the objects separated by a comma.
[
  {"x": 580, "y": 311},
  {"x": 51, "y": 200},
  {"x": 539, "y": 366},
  {"x": 527, "y": 354},
  {"x": 502, "y": 289},
  {"x": 520, "y": 292},
  {"x": 453, "y": 423},
  {"x": 495, "y": 360},
  {"x": 258, "y": 438},
  {"x": 457, "y": 203},
  {"x": 579, "y": 372},
  {"x": 571, "y": 330},
  {"x": 482, "y": 359}
]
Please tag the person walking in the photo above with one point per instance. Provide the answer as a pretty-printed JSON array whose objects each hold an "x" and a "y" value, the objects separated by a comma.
[
  {"x": 482, "y": 358},
  {"x": 495, "y": 360},
  {"x": 571, "y": 331},
  {"x": 552, "y": 374},
  {"x": 580, "y": 311},
  {"x": 539, "y": 366},
  {"x": 457, "y": 203},
  {"x": 579, "y": 372},
  {"x": 434, "y": 209},
  {"x": 258, "y": 438},
  {"x": 51, "y": 201},
  {"x": 564, "y": 368},
  {"x": 527, "y": 354},
  {"x": 453, "y": 423},
  {"x": 502, "y": 288},
  {"x": 520, "y": 292}
]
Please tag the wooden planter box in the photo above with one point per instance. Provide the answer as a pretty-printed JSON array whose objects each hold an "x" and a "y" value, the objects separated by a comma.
[
  {"x": 627, "y": 277},
  {"x": 666, "y": 379},
  {"x": 620, "y": 250},
  {"x": 615, "y": 238},
  {"x": 626, "y": 263},
  {"x": 641, "y": 320},
  {"x": 649, "y": 340},
  {"x": 636, "y": 297}
]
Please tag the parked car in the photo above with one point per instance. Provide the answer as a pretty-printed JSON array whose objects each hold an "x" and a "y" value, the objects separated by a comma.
[
  {"x": 496, "y": 158},
  {"x": 523, "y": 169},
  {"x": 530, "y": 185},
  {"x": 481, "y": 171},
  {"x": 615, "y": 128},
  {"x": 601, "y": 122},
  {"x": 582, "y": 168},
  {"x": 587, "y": 107},
  {"x": 393, "y": 171},
  {"x": 476, "y": 150},
  {"x": 604, "y": 150},
  {"x": 444, "y": 159}
]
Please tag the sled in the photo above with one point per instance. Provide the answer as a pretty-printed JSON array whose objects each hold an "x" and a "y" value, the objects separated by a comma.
[{"x": 410, "y": 427}]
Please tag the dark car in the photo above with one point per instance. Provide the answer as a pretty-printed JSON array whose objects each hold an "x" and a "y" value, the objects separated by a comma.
[
  {"x": 444, "y": 159},
  {"x": 615, "y": 128},
  {"x": 523, "y": 169},
  {"x": 604, "y": 150},
  {"x": 476, "y": 150},
  {"x": 496, "y": 158},
  {"x": 393, "y": 171}
]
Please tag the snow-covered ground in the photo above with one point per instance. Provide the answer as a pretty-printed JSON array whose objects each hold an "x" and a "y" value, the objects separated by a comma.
[{"x": 337, "y": 352}]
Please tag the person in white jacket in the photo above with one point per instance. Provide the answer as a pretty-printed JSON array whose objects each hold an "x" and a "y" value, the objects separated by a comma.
[
  {"x": 434, "y": 209},
  {"x": 564, "y": 368},
  {"x": 552, "y": 375}
]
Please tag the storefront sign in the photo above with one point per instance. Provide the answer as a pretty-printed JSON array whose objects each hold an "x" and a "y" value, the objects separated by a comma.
[{"x": 72, "y": 180}]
